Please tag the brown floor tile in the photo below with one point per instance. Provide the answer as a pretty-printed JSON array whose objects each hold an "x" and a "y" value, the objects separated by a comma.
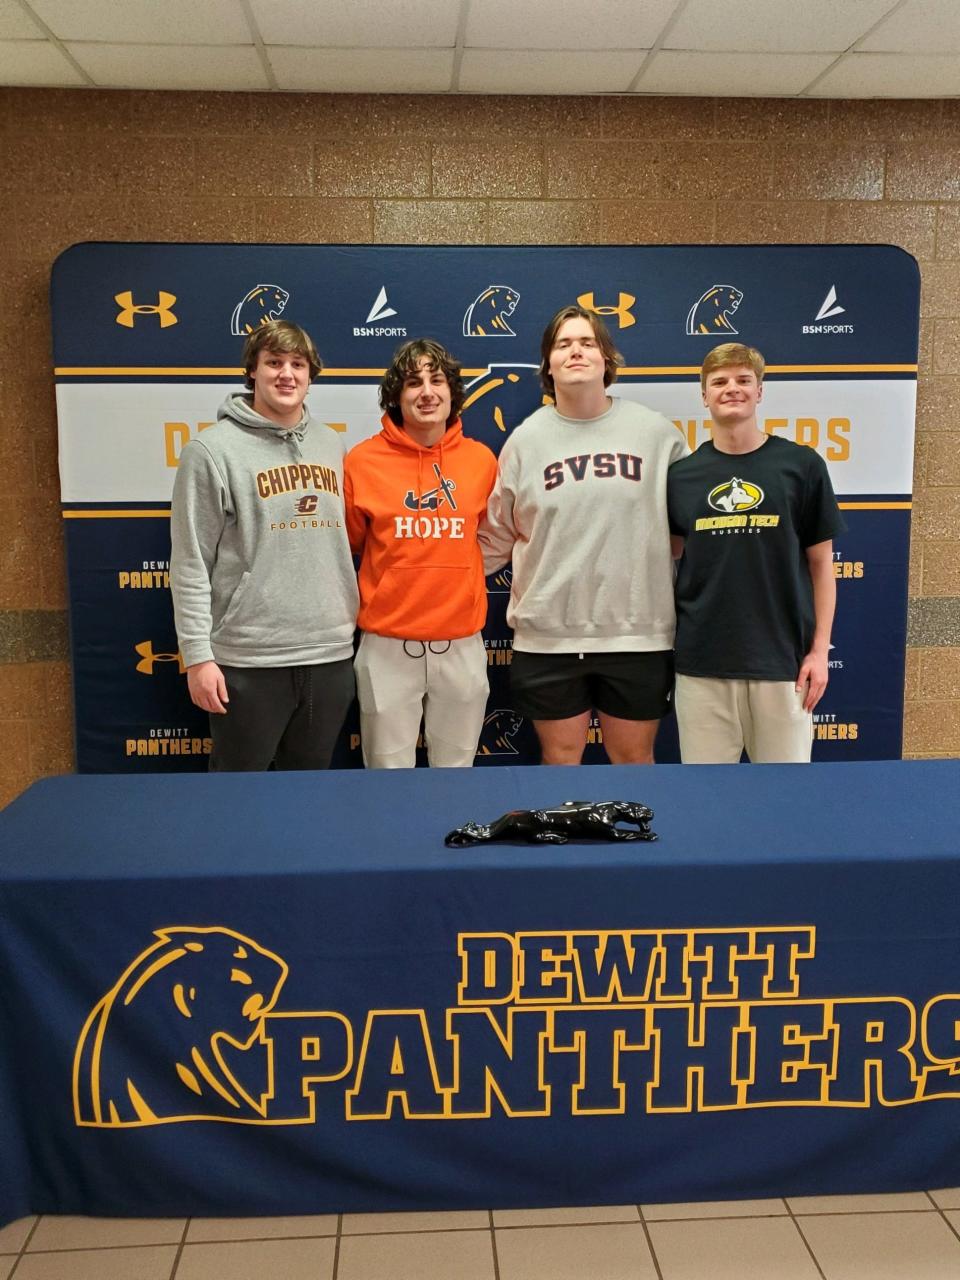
[
  {"x": 69, "y": 1232},
  {"x": 883, "y": 1246},
  {"x": 207, "y": 1230},
  {"x": 14, "y": 1235},
  {"x": 617, "y": 1251},
  {"x": 732, "y": 1249},
  {"x": 432, "y": 1255},
  {"x": 259, "y": 1260},
  {"x": 102, "y": 1264}
]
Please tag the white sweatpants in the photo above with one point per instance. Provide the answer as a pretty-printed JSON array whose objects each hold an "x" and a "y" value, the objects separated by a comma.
[
  {"x": 444, "y": 682},
  {"x": 717, "y": 719}
]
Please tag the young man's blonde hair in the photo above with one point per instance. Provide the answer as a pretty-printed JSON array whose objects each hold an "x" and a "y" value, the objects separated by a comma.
[
  {"x": 729, "y": 354},
  {"x": 285, "y": 338}
]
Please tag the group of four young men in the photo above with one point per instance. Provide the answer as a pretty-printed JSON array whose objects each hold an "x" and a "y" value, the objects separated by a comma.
[{"x": 593, "y": 497}]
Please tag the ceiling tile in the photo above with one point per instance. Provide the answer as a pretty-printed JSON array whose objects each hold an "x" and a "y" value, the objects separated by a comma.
[
  {"x": 362, "y": 70},
  {"x": 919, "y": 26},
  {"x": 891, "y": 75},
  {"x": 153, "y": 66},
  {"x": 775, "y": 26},
  {"x": 16, "y": 25},
  {"x": 145, "y": 21},
  {"x": 566, "y": 24},
  {"x": 365, "y": 24},
  {"x": 35, "y": 62},
  {"x": 731, "y": 75},
  {"x": 522, "y": 71}
]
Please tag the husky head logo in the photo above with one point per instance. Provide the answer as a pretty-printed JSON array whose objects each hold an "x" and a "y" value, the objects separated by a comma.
[
  {"x": 711, "y": 312},
  {"x": 263, "y": 303},
  {"x": 734, "y": 496},
  {"x": 499, "y": 730},
  {"x": 486, "y": 316},
  {"x": 154, "y": 1048}
]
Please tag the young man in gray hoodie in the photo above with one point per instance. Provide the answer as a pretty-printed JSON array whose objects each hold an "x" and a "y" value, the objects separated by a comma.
[{"x": 264, "y": 591}]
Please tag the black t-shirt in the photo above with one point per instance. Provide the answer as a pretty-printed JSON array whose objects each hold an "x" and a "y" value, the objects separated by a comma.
[{"x": 744, "y": 595}]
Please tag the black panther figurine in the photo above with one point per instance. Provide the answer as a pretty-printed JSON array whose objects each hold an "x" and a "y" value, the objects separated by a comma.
[{"x": 573, "y": 820}]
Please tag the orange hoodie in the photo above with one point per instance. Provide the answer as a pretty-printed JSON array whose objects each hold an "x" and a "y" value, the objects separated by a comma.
[{"x": 412, "y": 516}]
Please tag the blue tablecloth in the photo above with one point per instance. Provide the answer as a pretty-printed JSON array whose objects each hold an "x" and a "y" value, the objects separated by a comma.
[{"x": 282, "y": 994}]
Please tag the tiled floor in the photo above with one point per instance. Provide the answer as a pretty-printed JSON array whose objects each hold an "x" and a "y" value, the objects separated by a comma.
[{"x": 895, "y": 1237}]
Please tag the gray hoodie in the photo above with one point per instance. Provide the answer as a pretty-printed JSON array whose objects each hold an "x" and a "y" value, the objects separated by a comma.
[{"x": 260, "y": 568}]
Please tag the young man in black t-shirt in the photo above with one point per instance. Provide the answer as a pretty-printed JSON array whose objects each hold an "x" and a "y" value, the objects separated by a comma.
[{"x": 755, "y": 589}]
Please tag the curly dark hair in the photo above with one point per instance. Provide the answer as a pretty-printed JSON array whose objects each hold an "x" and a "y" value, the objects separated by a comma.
[{"x": 406, "y": 360}]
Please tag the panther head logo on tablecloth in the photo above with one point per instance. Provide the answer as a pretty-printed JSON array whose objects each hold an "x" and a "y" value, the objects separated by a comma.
[{"x": 154, "y": 1047}]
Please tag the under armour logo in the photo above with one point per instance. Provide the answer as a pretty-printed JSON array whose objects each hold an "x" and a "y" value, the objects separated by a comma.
[
  {"x": 148, "y": 658},
  {"x": 129, "y": 309},
  {"x": 621, "y": 310}
]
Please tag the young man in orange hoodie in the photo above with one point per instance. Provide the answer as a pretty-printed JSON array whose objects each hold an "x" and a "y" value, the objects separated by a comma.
[{"x": 415, "y": 495}]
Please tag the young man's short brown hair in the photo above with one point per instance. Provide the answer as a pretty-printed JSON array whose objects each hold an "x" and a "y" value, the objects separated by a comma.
[
  {"x": 406, "y": 361},
  {"x": 612, "y": 358},
  {"x": 729, "y": 354},
  {"x": 283, "y": 337}
]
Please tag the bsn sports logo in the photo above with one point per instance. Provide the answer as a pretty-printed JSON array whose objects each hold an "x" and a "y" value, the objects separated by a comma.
[
  {"x": 486, "y": 316},
  {"x": 828, "y": 307},
  {"x": 264, "y": 302},
  {"x": 711, "y": 312},
  {"x": 432, "y": 499},
  {"x": 625, "y": 317},
  {"x": 129, "y": 309},
  {"x": 149, "y": 659},
  {"x": 381, "y": 310},
  {"x": 735, "y": 495}
]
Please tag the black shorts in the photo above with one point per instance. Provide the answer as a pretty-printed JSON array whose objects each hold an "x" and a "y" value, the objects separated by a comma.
[{"x": 558, "y": 686}]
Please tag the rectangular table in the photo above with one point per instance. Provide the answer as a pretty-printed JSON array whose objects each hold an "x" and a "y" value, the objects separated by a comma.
[{"x": 281, "y": 994}]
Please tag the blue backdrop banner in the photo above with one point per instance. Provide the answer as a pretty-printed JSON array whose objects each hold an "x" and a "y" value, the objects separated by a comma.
[{"x": 147, "y": 342}]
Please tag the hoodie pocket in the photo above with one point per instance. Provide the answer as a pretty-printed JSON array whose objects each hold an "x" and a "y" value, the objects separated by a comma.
[{"x": 236, "y": 600}]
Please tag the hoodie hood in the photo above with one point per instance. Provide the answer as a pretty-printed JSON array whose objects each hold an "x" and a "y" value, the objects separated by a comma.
[
  {"x": 401, "y": 439},
  {"x": 238, "y": 408}
]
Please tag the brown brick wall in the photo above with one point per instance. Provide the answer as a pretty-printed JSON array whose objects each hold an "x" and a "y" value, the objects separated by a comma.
[{"x": 85, "y": 164}]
